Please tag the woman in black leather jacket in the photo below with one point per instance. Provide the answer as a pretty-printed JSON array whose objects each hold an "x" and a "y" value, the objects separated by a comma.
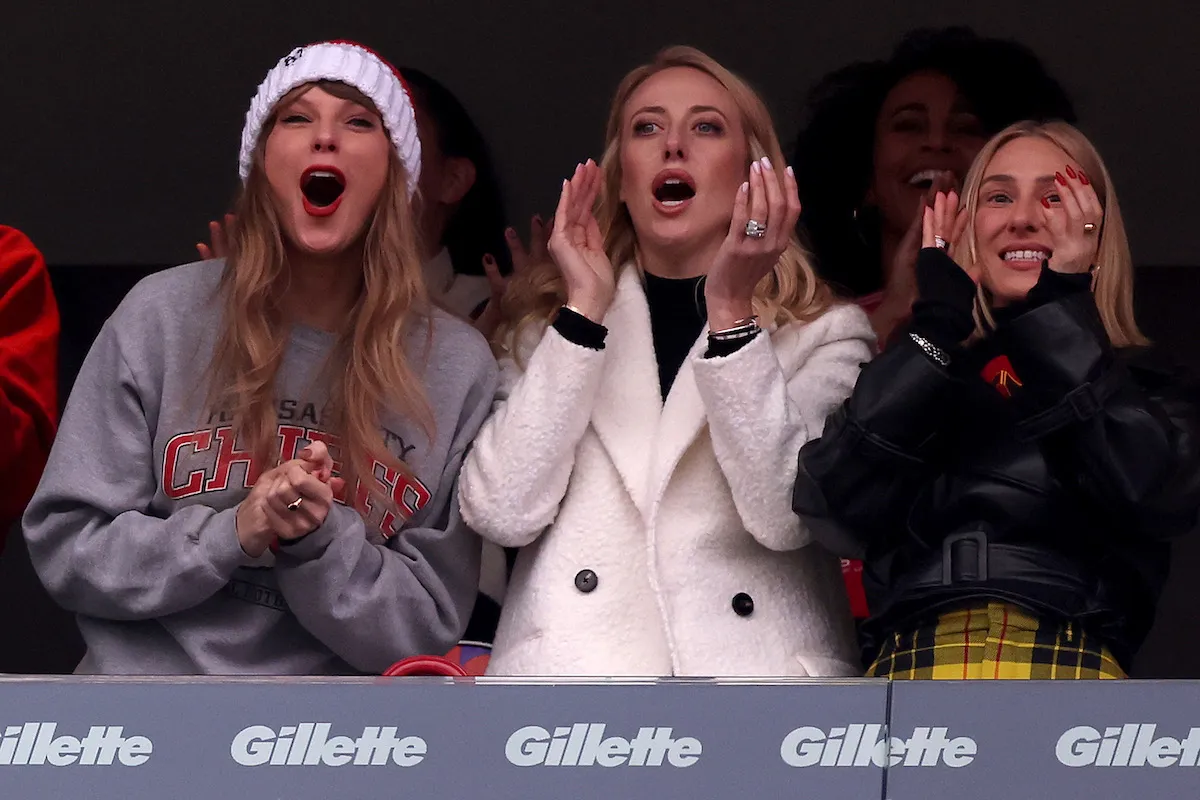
[{"x": 1012, "y": 469}]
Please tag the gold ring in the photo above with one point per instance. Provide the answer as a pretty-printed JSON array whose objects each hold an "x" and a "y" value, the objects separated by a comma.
[
  {"x": 295, "y": 504},
  {"x": 1088, "y": 227}
]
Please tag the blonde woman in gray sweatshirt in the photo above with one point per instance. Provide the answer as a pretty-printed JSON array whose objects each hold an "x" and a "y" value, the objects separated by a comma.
[{"x": 256, "y": 471}]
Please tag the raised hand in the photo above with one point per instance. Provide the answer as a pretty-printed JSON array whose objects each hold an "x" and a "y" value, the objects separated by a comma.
[
  {"x": 522, "y": 261},
  {"x": 1074, "y": 222},
  {"x": 578, "y": 248},
  {"x": 942, "y": 226},
  {"x": 218, "y": 235},
  {"x": 771, "y": 202},
  {"x": 900, "y": 288}
]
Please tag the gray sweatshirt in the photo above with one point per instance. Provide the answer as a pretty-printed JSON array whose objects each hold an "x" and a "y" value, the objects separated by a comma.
[{"x": 133, "y": 524}]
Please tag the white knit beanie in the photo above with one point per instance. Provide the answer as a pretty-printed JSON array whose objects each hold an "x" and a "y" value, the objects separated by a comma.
[{"x": 354, "y": 65}]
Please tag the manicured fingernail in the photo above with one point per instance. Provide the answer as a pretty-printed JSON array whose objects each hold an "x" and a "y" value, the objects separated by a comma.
[
  {"x": 1058, "y": 176},
  {"x": 512, "y": 234},
  {"x": 1070, "y": 172},
  {"x": 489, "y": 260},
  {"x": 756, "y": 167},
  {"x": 1045, "y": 202},
  {"x": 766, "y": 162},
  {"x": 1083, "y": 178},
  {"x": 745, "y": 187},
  {"x": 791, "y": 172}
]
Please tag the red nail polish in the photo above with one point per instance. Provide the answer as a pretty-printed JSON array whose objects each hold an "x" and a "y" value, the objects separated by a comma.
[
  {"x": 1045, "y": 202},
  {"x": 1070, "y": 172},
  {"x": 1083, "y": 178},
  {"x": 1058, "y": 176}
]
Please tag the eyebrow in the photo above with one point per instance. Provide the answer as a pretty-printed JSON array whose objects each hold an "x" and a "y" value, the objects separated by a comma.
[
  {"x": 1011, "y": 179},
  {"x": 692, "y": 110}
]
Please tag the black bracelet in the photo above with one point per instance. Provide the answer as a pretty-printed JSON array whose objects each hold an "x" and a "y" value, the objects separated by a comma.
[{"x": 578, "y": 329}]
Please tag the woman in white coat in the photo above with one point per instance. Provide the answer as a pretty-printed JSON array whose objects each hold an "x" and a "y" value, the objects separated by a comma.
[{"x": 643, "y": 448}]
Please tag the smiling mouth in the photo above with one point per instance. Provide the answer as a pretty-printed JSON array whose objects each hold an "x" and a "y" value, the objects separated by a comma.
[
  {"x": 925, "y": 178},
  {"x": 322, "y": 188},
  {"x": 674, "y": 191},
  {"x": 1025, "y": 258}
]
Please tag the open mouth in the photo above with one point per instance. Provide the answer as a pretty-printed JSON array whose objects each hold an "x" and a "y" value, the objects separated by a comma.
[
  {"x": 673, "y": 188},
  {"x": 925, "y": 178},
  {"x": 322, "y": 187}
]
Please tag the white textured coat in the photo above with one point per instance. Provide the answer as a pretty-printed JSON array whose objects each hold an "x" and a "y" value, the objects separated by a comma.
[{"x": 676, "y": 507}]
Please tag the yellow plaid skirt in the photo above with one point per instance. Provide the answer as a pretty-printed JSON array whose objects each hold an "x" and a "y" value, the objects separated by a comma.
[{"x": 994, "y": 641}]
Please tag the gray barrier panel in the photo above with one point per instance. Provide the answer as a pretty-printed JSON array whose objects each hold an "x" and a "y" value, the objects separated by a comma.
[
  {"x": 1043, "y": 739},
  {"x": 349, "y": 739}
]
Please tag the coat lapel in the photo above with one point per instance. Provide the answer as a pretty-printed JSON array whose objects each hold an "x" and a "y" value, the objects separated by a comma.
[
  {"x": 683, "y": 418},
  {"x": 629, "y": 402}
]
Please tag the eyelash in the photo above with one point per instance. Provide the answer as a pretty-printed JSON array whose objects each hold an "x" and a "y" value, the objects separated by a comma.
[
  {"x": 646, "y": 128},
  {"x": 998, "y": 197},
  {"x": 358, "y": 122}
]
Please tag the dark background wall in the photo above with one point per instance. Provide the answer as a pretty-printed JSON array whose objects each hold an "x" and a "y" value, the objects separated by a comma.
[
  {"x": 119, "y": 125},
  {"x": 121, "y": 120}
]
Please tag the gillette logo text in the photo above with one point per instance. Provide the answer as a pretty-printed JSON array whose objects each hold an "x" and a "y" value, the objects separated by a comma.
[
  {"x": 35, "y": 743},
  {"x": 1131, "y": 745},
  {"x": 861, "y": 745},
  {"x": 585, "y": 745},
  {"x": 309, "y": 744}
]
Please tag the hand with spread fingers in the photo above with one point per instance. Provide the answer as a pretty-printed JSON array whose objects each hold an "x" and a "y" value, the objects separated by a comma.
[
  {"x": 765, "y": 211},
  {"x": 577, "y": 246},
  {"x": 289, "y": 501},
  {"x": 943, "y": 225},
  {"x": 1074, "y": 217},
  {"x": 522, "y": 260}
]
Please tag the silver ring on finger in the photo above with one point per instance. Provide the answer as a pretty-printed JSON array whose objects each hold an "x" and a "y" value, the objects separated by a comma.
[
  {"x": 756, "y": 229},
  {"x": 295, "y": 504},
  {"x": 940, "y": 243}
]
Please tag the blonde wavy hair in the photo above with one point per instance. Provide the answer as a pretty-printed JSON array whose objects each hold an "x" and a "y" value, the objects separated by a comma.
[
  {"x": 1113, "y": 284},
  {"x": 792, "y": 291},
  {"x": 368, "y": 368}
]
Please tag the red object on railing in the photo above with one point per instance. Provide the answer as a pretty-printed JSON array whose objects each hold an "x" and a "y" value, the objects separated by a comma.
[{"x": 425, "y": 666}]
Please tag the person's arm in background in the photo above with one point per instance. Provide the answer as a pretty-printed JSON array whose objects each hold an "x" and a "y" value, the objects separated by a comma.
[{"x": 29, "y": 328}]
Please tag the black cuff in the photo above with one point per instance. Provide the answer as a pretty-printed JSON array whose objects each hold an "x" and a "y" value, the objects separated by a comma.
[
  {"x": 720, "y": 349},
  {"x": 943, "y": 313},
  {"x": 578, "y": 329},
  {"x": 1052, "y": 286}
]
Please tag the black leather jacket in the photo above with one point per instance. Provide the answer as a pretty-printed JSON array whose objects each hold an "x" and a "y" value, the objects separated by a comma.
[{"x": 1040, "y": 468}]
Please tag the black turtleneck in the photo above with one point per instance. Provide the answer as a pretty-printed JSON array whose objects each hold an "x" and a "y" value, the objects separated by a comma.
[{"x": 677, "y": 316}]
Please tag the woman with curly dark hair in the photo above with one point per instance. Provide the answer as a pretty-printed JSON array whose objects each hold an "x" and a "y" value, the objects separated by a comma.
[{"x": 881, "y": 137}]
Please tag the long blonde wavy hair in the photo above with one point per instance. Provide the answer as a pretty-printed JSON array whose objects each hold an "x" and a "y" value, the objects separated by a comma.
[
  {"x": 792, "y": 291},
  {"x": 368, "y": 368},
  {"x": 1113, "y": 284}
]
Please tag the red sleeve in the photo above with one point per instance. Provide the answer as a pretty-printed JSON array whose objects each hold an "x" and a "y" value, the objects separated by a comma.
[{"x": 28, "y": 372}]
